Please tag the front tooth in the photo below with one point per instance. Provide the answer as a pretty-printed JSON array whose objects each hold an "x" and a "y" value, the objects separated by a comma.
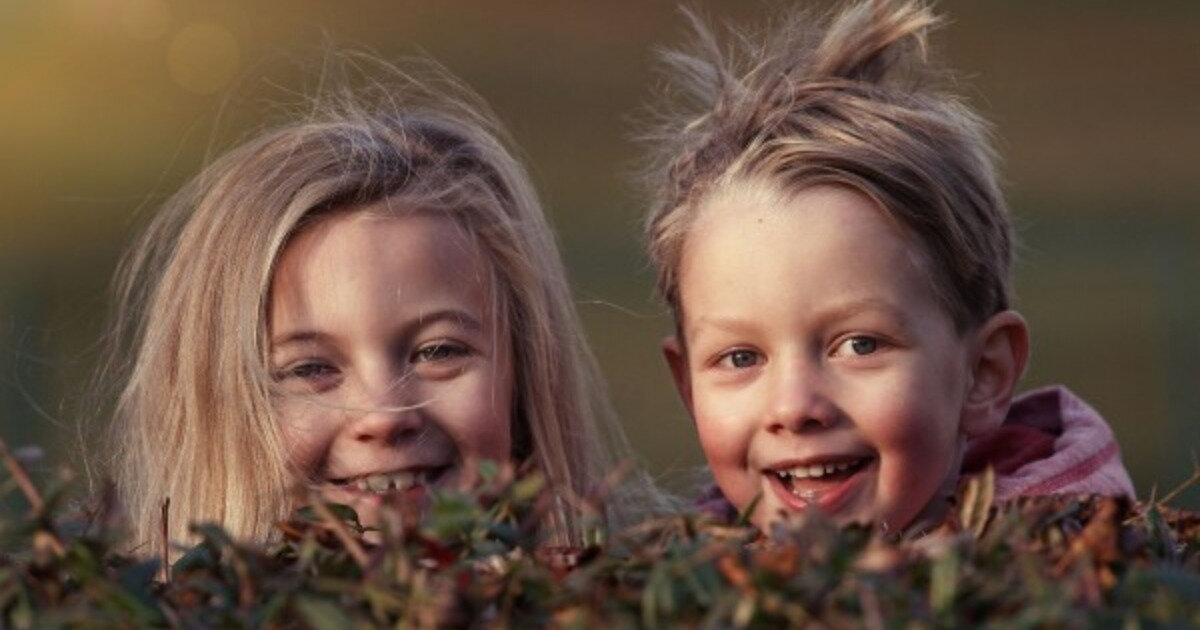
[
  {"x": 800, "y": 473},
  {"x": 816, "y": 470},
  {"x": 377, "y": 483},
  {"x": 402, "y": 480}
]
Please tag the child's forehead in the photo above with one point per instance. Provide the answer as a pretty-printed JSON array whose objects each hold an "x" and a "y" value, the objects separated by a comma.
[
  {"x": 822, "y": 230},
  {"x": 754, "y": 201}
]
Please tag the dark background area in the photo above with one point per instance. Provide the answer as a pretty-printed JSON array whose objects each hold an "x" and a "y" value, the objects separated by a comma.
[{"x": 108, "y": 106}]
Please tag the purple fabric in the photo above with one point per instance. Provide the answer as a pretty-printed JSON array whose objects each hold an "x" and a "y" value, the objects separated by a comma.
[{"x": 1085, "y": 456}]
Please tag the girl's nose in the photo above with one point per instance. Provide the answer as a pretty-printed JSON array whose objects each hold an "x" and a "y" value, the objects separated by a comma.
[
  {"x": 798, "y": 400},
  {"x": 389, "y": 415}
]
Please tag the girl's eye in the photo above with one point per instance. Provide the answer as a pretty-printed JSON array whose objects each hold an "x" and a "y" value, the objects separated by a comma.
[
  {"x": 439, "y": 351},
  {"x": 742, "y": 359},
  {"x": 858, "y": 345},
  {"x": 309, "y": 371}
]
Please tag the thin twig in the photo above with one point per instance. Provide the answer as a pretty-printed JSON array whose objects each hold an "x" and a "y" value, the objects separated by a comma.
[
  {"x": 166, "y": 544},
  {"x": 1189, "y": 482},
  {"x": 46, "y": 536},
  {"x": 22, "y": 478},
  {"x": 339, "y": 529}
]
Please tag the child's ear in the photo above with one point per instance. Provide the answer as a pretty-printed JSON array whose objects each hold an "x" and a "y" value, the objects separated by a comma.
[
  {"x": 676, "y": 356},
  {"x": 1000, "y": 350}
]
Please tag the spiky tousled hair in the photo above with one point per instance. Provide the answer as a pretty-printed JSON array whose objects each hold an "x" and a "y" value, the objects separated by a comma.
[{"x": 853, "y": 101}]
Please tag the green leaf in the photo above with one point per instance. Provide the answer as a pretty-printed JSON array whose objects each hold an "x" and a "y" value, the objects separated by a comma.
[
  {"x": 528, "y": 488},
  {"x": 321, "y": 614},
  {"x": 943, "y": 582}
]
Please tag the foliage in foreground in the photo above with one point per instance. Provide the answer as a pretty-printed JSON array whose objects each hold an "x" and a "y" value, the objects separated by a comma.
[{"x": 474, "y": 561}]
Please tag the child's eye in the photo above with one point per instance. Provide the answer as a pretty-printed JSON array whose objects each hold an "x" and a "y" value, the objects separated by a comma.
[
  {"x": 741, "y": 359},
  {"x": 439, "y": 351},
  {"x": 312, "y": 372},
  {"x": 858, "y": 345}
]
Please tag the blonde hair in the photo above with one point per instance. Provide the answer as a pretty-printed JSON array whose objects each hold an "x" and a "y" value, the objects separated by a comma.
[
  {"x": 194, "y": 422},
  {"x": 851, "y": 101}
]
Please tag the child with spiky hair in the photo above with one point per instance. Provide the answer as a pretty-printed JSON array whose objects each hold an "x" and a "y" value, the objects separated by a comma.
[{"x": 830, "y": 236}]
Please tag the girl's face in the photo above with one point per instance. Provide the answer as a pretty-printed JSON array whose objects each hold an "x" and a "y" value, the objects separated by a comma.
[
  {"x": 391, "y": 370},
  {"x": 816, "y": 361}
]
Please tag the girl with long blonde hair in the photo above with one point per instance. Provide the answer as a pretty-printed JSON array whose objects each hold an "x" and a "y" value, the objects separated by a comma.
[{"x": 364, "y": 303}]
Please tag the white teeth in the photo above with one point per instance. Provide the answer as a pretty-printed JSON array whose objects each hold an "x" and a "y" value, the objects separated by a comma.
[
  {"x": 816, "y": 471},
  {"x": 377, "y": 483},
  {"x": 387, "y": 482},
  {"x": 404, "y": 480}
]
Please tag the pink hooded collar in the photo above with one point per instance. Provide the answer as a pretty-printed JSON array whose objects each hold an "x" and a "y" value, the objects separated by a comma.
[{"x": 1051, "y": 443}]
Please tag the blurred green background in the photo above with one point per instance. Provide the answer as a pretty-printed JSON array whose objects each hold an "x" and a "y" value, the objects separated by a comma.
[{"x": 107, "y": 106}]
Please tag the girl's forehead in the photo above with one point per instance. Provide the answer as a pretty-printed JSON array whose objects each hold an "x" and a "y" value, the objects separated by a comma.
[
  {"x": 406, "y": 253},
  {"x": 408, "y": 224}
]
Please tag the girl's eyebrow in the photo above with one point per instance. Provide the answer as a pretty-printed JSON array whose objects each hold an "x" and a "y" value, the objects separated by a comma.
[
  {"x": 297, "y": 337},
  {"x": 457, "y": 316}
]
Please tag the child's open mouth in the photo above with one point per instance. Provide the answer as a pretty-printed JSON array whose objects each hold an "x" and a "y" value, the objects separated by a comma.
[
  {"x": 824, "y": 484},
  {"x": 396, "y": 481}
]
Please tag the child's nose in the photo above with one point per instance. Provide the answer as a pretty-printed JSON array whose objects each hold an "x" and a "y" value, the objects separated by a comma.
[
  {"x": 798, "y": 401},
  {"x": 389, "y": 415}
]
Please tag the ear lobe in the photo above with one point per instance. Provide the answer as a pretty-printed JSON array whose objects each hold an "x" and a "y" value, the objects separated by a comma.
[
  {"x": 1001, "y": 350},
  {"x": 676, "y": 356}
]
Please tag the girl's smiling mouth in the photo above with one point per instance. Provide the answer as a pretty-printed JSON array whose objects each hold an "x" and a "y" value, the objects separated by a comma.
[
  {"x": 394, "y": 481},
  {"x": 824, "y": 483}
]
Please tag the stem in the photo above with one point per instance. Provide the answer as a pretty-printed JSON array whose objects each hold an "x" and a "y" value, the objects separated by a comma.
[
  {"x": 339, "y": 529},
  {"x": 1189, "y": 482},
  {"x": 22, "y": 478}
]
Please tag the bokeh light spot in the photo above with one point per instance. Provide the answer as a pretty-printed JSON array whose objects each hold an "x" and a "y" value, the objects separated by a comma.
[{"x": 203, "y": 57}]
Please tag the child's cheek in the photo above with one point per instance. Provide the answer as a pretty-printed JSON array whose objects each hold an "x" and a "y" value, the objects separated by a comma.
[
  {"x": 475, "y": 410},
  {"x": 915, "y": 452},
  {"x": 304, "y": 437},
  {"x": 725, "y": 426}
]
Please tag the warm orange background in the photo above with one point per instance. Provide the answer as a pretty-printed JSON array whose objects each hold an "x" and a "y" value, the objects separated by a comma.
[{"x": 106, "y": 106}]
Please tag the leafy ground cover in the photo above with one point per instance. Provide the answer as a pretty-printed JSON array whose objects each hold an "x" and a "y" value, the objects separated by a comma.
[{"x": 472, "y": 560}]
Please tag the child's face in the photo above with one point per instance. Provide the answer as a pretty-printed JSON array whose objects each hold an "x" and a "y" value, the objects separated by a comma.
[
  {"x": 816, "y": 361},
  {"x": 392, "y": 373}
]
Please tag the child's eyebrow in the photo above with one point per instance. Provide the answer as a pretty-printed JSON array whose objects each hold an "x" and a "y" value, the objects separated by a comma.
[
  {"x": 457, "y": 316},
  {"x": 836, "y": 312},
  {"x": 727, "y": 324},
  {"x": 454, "y": 315},
  {"x": 300, "y": 336},
  {"x": 855, "y": 306}
]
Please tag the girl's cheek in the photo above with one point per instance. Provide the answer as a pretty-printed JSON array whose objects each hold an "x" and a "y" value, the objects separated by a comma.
[
  {"x": 303, "y": 438},
  {"x": 482, "y": 418}
]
